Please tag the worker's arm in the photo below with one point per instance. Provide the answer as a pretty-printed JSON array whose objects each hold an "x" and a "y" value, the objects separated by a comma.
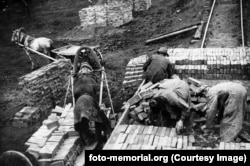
[
  {"x": 147, "y": 63},
  {"x": 170, "y": 70}
]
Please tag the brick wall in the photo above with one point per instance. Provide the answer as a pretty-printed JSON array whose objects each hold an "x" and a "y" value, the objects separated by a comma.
[{"x": 43, "y": 89}]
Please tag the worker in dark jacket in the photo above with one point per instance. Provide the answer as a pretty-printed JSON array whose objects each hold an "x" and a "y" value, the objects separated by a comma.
[
  {"x": 172, "y": 103},
  {"x": 228, "y": 100},
  {"x": 157, "y": 67}
]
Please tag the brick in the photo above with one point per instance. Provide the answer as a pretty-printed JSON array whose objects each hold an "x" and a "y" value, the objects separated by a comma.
[
  {"x": 150, "y": 130},
  {"x": 142, "y": 116},
  {"x": 163, "y": 132},
  {"x": 174, "y": 142},
  {"x": 156, "y": 140},
  {"x": 168, "y": 131},
  {"x": 222, "y": 146},
  {"x": 145, "y": 139},
  {"x": 191, "y": 138},
  {"x": 173, "y": 132},
  {"x": 179, "y": 142},
  {"x": 154, "y": 131},
  {"x": 185, "y": 142},
  {"x": 151, "y": 140},
  {"x": 121, "y": 138}
]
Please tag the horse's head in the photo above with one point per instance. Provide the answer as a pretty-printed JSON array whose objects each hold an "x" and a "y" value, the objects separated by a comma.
[
  {"x": 17, "y": 34},
  {"x": 14, "y": 37}
]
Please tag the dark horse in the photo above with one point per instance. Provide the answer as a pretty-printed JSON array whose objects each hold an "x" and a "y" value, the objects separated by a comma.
[{"x": 87, "y": 108}]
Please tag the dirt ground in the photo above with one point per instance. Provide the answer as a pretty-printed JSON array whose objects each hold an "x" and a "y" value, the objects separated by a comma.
[{"x": 59, "y": 20}]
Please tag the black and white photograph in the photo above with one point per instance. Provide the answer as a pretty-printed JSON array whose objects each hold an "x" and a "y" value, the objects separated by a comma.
[{"x": 84, "y": 81}]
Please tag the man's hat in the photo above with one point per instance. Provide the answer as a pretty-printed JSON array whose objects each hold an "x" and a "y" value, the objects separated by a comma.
[{"x": 163, "y": 50}]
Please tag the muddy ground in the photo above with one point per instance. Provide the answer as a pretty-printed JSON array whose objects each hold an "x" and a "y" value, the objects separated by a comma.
[{"x": 58, "y": 20}]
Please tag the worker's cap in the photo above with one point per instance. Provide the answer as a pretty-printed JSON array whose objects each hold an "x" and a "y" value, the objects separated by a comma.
[{"x": 163, "y": 50}]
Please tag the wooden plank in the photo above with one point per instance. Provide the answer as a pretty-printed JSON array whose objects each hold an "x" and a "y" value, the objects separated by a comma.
[
  {"x": 174, "y": 142},
  {"x": 156, "y": 140},
  {"x": 168, "y": 132},
  {"x": 158, "y": 132},
  {"x": 163, "y": 131},
  {"x": 151, "y": 139},
  {"x": 173, "y": 132},
  {"x": 179, "y": 142}
]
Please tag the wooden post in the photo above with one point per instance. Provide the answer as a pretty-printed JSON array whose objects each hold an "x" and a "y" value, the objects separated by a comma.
[
  {"x": 171, "y": 34},
  {"x": 110, "y": 99},
  {"x": 72, "y": 85},
  {"x": 101, "y": 88},
  {"x": 46, "y": 56}
]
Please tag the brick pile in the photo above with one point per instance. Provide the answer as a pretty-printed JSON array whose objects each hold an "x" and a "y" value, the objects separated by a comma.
[
  {"x": 133, "y": 75},
  {"x": 139, "y": 103},
  {"x": 26, "y": 117},
  {"x": 114, "y": 14},
  {"x": 142, "y": 5},
  {"x": 56, "y": 142},
  {"x": 44, "y": 88},
  {"x": 139, "y": 137},
  {"x": 199, "y": 63}
]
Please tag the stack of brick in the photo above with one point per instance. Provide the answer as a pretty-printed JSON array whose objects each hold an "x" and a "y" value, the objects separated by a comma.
[
  {"x": 46, "y": 87},
  {"x": 139, "y": 137},
  {"x": 114, "y": 14},
  {"x": 26, "y": 117},
  {"x": 199, "y": 63},
  {"x": 56, "y": 142},
  {"x": 142, "y": 5},
  {"x": 133, "y": 75}
]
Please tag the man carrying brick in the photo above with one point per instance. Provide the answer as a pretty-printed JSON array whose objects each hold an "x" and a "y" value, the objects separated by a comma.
[
  {"x": 157, "y": 67},
  {"x": 172, "y": 104},
  {"x": 228, "y": 100}
]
